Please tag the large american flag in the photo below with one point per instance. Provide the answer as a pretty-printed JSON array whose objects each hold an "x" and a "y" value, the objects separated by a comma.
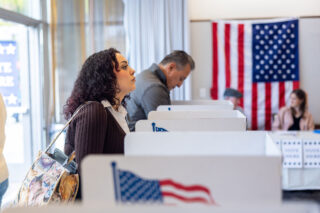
[
  {"x": 130, "y": 188},
  {"x": 261, "y": 60}
]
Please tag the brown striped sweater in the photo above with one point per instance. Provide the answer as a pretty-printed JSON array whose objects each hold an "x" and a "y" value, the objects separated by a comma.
[{"x": 94, "y": 131}]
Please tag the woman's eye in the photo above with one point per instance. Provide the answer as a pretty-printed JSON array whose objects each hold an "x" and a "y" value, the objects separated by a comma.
[{"x": 124, "y": 67}]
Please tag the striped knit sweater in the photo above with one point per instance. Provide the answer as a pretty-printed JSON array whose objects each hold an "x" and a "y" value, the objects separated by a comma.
[{"x": 94, "y": 131}]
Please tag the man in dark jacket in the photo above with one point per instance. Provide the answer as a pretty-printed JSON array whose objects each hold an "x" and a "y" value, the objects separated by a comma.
[{"x": 153, "y": 85}]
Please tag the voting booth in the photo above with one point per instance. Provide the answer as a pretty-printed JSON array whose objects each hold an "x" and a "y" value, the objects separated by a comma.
[
  {"x": 301, "y": 159},
  {"x": 209, "y": 180},
  {"x": 171, "y": 115},
  {"x": 202, "y": 102},
  {"x": 195, "y": 124},
  {"x": 195, "y": 107},
  {"x": 102, "y": 208}
]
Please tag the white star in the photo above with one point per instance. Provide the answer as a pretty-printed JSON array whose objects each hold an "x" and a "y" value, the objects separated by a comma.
[
  {"x": 279, "y": 51},
  {"x": 293, "y": 75},
  {"x": 283, "y": 56},
  {"x": 270, "y": 52},
  {"x": 292, "y": 46},
  {"x": 257, "y": 57},
  {"x": 266, "y": 57},
  {"x": 266, "y": 37},
  {"x": 262, "y": 72},
  {"x": 284, "y": 66},
  {"x": 280, "y": 41},
  {"x": 275, "y": 66},
  {"x": 284, "y": 36},
  {"x": 292, "y": 25},
  {"x": 284, "y": 76},
  {"x": 275, "y": 46},
  {"x": 266, "y": 76},
  {"x": 262, "y": 62},
  {"x": 279, "y": 61},
  {"x": 270, "y": 32},
  {"x": 266, "y": 67},
  {"x": 262, "y": 32},
  {"x": 279, "y": 71},
  {"x": 275, "y": 57},
  {"x": 271, "y": 71},
  {"x": 271, "y": 61},
  {"x": 257, "y": 76},
  {"x": 284, "y": 46},
  {"x": 257, "y": 37},
  {"x": 257, "y": 47},
  {"x": 275, "y": 76},
  {"x": 288, "y": 41},
  {"x": 266, "y": 47},
  {"x": 258, "y": 67},
  {"x": 288, "y": 71},
  {"x": 11, "y": 49},
  {"x": 284, "y": 26},
  {"x": 261, "y": 52},
  {"x": 1, "y": 49},
  {"x": 293, "y": 66},
  {"x": 288, "y": 31},
  {"x": 288, "y": 61},
  {"x": 288, "y": 51},
  {"x": 270, "y": 42},
  {"x": 279, "y": 31},
  {"x": 292, "y": 35},
  {"x": 12, "y": 99},
  {"x": 257, "y": 27},
  {"x": 292, "y": 56},
  {"x": 275, "y": 27},
  {"x": 266, "y": 27},
  {"x": 262, "y": 42}
]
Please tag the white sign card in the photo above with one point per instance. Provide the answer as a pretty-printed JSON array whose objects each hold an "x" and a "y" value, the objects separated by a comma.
[
  {"x": 311, "y": 153},
  {"x": 292, "y": 153}
]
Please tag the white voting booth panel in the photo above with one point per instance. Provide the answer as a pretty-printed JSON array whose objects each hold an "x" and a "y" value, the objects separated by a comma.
[
  {"x": 195, "y": 124},
  {"x": 103, "y": 208},
  {"x": 169, "y": 115},
  {"x": 202, "y": 102},
  {"x": 194, "y": 107},
  {"x": 208, "y": 180},
  {"x": 248, "y": 163},
  {"x": 301, "y": 164}
]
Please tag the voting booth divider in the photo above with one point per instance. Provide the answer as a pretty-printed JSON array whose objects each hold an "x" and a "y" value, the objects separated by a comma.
[
  {"x": 172, "y": 115},
  {"x": 199, "y": 107},
  {"x": 101, "y": 208},
  {"x": 301, "y": 159},
  {"x": 202, "y": 102},
  {"x": 196, "y": 124}
]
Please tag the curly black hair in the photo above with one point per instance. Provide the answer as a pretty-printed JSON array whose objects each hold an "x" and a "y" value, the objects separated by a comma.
[{"x": 95, "y": 82}]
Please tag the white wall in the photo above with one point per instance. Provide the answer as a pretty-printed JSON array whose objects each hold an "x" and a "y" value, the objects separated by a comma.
[{"x": 221, "y": 9}]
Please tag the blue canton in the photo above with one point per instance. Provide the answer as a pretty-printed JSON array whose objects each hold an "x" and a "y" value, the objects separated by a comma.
[
  {"x": 275, "y": 52},
  {"x": 135, "y": 189}
]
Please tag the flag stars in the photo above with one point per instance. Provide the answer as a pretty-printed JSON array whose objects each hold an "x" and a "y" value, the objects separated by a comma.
[
  {"x": 271, "y": 72},
  {"x": 257, "y": 47},
  {"x": 288, "y": 61},
  {"x": 284, "y": 36},
  {"x": 288, "y": 31},
  {"x": 266, "y": 57},
  {"x": 288, "y": 71},
  {"x": 257, "y": 57},
  {"x": 266, "y": 27},
  {"x": 262, "y": 42},
  {"x": 262, "y": 32},
  {"x": 292, "y": 36},
  {"x": 283, "y": 66},
  {"x": 262, "y": 72},
  {"x": 283, "y": 56},
  {"x": 292, "y": 56},
  {"x": 293, "y": 76},
  {"x": 293, "y": 66},
  {"x": 11, "y": 49},
  {"x": 257, "y": 37},
  {"x": 275, "y": 77},
  {"x": 270, "y": 42},
  {"x": 292, "y": 46},
  {"x": 266, "y": 67},
  {"x": 292, "y": 26},
  {"x": 288, "y": 41},
  {"x": 279, "y": 31},
  {"x": 270, "y": 52},
  {"x": 270, "y": 32}
]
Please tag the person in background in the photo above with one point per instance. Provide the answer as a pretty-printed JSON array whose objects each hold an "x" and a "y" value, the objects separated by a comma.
[
  {"x": 234, "y": 96},
  {"x": 4, "y": 174},
  {"x": 154, "y": 85},
  {"x": 296, "y": 116},
  {"x": 100, "y": 126}
]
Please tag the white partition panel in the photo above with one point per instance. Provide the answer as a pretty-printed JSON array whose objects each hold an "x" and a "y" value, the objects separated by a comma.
[
  {"x": 195, "y": 124},
  {"x": 97, "y": 207},
  {"x": 215, "y": 181},
  {"x": 194, "y": 107},
  {"x": 169, "y": 115},
  {"x": 202, "y": 102}
]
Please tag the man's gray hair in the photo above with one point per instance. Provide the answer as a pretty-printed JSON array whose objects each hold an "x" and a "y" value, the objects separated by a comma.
[{"x": 180, "y": 57}]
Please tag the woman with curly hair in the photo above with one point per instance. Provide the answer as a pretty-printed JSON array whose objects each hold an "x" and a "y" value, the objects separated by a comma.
[
  {"x": 296, "y": 116},
  {"x": 100, "y": 126}
]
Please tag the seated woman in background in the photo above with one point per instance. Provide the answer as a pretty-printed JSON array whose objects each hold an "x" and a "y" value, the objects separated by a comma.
[
  {"x": 295, "y": 117},
  {"x": 100, "y": 126}
]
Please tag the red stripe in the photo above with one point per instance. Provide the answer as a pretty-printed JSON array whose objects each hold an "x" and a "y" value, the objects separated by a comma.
[
  {"x": 254, "y": 107},
  {"x": 227, "y": 54},
  {"x": 214, "y": 89},
  {"x": 186, "y": 188},
  {"x": 268, "y": 106},
  {"x": 282, "y": 94},
  {"x": 185, "y": 199},
  {"x": 296, "y": 85},
  {"x": 241, "y": 60}
]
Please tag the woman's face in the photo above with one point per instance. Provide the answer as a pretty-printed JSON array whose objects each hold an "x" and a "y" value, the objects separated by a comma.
[
  {"x": 125, "y": 75},
  {"x": 294, "y": 100}
]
